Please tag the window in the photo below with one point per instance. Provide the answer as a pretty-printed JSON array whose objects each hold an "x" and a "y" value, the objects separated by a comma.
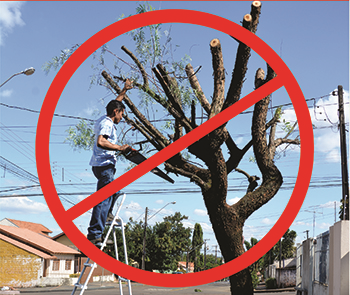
[
  {"x": 68, "y": 264},
  {"x": 56, "y": 265}
]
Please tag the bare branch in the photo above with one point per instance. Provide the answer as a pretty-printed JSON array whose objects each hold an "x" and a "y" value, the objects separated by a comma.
[
  {"x": 161, "y": 140},
  {"x": 174, "y": 107},
  {"x": 139, "y": 65},
  {"x": 193, "y": 114},
  {"x": 192, "y": 176},
  {"x": 197, "y": 88}
]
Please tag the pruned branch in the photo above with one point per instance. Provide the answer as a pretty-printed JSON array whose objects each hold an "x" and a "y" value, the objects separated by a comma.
[
  {"x": 271, "y": 176},
  {"x": 253, "y": 180},
  {"x": 250, "y": 22},
  {"x": 219, "y": 78}
]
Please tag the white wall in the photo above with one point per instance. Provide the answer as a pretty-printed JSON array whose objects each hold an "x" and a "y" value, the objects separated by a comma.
[
  {"x": 339, "y": 281},
  {"x": 61, "y": 272}
]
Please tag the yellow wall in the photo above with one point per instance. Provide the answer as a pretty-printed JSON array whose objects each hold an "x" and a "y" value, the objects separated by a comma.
[{"x": 17, "y": 266}]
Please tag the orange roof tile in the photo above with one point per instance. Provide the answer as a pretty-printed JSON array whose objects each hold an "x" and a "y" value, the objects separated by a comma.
[
  {"x": 35, "y": 227},
  {"x": 35, "y": 240},
  {"x": 26, "y": 247}
]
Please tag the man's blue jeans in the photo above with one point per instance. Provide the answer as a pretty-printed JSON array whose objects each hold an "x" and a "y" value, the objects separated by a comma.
[{"x": 104, "y": 175}]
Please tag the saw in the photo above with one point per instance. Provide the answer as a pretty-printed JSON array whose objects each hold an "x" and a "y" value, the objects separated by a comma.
[{"x": 137, "y": 158}]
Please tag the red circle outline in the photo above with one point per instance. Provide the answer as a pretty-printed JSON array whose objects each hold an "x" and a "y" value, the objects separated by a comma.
[{"x": 187, "y": 17}]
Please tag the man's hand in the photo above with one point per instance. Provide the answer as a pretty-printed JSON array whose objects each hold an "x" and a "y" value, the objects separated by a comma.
[
  {"x": 128, "y": 84},
  {"x": 125, "y": 148}
]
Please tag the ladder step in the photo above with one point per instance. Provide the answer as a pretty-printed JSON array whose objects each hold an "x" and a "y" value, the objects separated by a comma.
[
  {"x": 90, "y": 265},
  {"x": 80, "y": 286}
]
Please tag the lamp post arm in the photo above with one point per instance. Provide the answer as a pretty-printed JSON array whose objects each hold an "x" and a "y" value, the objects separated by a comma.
[{"x": 10, "y": 78}]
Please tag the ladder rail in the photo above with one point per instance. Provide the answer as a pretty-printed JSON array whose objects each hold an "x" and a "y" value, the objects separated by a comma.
[{"x": 117, "y": 222}]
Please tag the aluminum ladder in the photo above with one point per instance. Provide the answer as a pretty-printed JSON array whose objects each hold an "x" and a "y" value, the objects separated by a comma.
[{"x": 117, "y": 222}]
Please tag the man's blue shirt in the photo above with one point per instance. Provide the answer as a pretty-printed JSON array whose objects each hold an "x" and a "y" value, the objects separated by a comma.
[{"x": 101, "y": 157}]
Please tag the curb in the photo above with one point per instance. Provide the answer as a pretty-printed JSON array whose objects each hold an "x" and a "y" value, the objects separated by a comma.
[
  {"x": 274, "y": 290},
  {"x": 62, "y": 289}
]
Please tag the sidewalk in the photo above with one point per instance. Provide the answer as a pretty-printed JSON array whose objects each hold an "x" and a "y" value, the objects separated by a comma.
[
  {"x": 66, "y": 288},
  {"x": 261, "y": 288}
]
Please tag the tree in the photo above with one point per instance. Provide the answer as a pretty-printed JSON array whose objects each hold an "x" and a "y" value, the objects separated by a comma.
[
  {"x": 166, "y": 242},
  {"x": 197, "y": 242},
  {"x": 164, "y": 85},
  {"x": 169, "y": 240},
  {"x": 288, "y": 249}
]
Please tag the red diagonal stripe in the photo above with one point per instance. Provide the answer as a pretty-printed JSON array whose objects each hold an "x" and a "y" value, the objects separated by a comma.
[{"x": 177, "y": 146}]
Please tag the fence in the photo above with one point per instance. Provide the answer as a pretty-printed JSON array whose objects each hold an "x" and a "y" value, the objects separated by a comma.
[{"x": 323, "y": 263}]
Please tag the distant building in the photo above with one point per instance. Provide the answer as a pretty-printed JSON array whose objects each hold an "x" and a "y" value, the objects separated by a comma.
[
  {"x": 32, "y": 258},
  {"x": 35, "y": 227}
]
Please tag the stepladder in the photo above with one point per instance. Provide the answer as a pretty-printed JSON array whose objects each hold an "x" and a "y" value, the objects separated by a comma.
[{"x": 90, "y": 265}]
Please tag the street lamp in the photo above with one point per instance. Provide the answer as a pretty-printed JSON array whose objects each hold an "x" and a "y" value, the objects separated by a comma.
[
  {"x": 144, "y": 233},
  {"x": 26, "y": 72}
]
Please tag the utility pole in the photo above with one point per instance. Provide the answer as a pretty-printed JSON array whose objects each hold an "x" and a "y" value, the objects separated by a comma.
[
  {"x": 205, "y": 253},
  {"x": 344, "y": 164},
  {"x": 216, "y": 253},
  {"x": 144, "y": 241}
]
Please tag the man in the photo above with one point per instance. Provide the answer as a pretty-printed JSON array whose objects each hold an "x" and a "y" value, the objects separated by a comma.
[{"x": 103, "y": 162}]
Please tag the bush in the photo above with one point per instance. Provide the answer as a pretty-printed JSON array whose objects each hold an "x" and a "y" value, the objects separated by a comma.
[
  {"x": 255, "y": 279},
  {"x": 271, "y": 283},
  {"x": 74, "y": 275}
]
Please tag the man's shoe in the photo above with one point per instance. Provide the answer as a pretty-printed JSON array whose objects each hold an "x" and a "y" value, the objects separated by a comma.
[{"x": 97, "y": 242}]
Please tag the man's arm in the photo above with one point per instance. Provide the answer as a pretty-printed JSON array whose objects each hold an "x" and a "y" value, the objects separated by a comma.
[
  {"x": 103, "y": 143},
  {"x": 127, "y": 86}
]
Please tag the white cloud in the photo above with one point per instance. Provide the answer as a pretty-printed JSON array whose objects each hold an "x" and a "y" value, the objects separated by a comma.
[
  {"x": 10, "y": 16},
  {"x": 6, "y": 93},
  {"x": 206, "y": 227},
  {"x": 324, "y": 117},
  {"x": 233, "y": 201},
  {"x": 133, "y": 206},
  {"x": 323, "y": 225},
  {"x": 22, "y": 205},
  {"x": 330, "y": 204},
  {"x": 200, "y": 212},
  {"x": 267, "y": 221},
  {"x": 159, "y": 202}
]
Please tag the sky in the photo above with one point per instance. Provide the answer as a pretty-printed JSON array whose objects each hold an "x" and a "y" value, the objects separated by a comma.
[{"x": 312, "y": 39}]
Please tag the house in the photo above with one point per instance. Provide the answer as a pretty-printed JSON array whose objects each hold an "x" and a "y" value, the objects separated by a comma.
[
  {"x": 285, "y": 275},
  {"x": 80, "y": 259},
  {"x": 29, "y": 258},
  {"x": 181, "y": 265},
  {"x": 35, "y": 227}
]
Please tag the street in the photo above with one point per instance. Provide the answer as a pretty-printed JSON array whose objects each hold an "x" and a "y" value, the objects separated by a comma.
[{"x": 140, "y": 289}]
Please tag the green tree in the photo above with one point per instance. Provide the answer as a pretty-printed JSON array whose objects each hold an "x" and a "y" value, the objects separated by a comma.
[
  {"x": 169, "y": 240},
  {"x": 288, "y": 249},
  {"x": 197, "y": 242}
]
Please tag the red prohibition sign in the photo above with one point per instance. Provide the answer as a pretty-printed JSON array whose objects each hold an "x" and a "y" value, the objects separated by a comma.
[{"x": 284, "y": 78}]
